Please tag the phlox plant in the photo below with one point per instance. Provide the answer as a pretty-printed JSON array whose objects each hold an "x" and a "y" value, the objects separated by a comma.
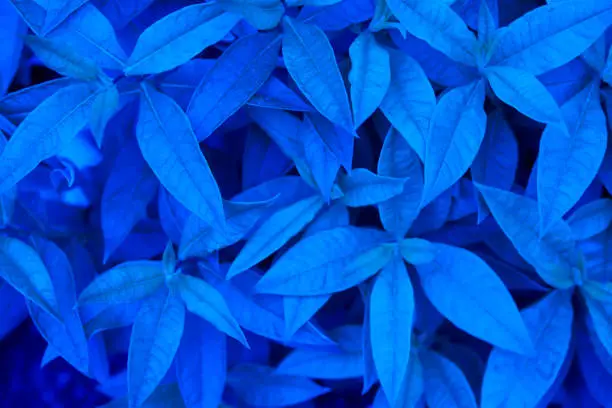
[{"x": 308, "y": 203}]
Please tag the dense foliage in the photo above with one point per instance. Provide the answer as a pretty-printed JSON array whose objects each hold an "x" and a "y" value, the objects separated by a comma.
[{"x": 313, "y": 203}]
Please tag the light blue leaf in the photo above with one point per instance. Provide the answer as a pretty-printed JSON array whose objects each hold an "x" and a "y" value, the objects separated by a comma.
[
  {"x": 129, "y": 188},
  {"x": 124, "y": 283},
  {"x": 410, "y": 102},
  {"x": 99, "y": 45},
  {"x": 156, "y": 336},
  {"x": 25, "y": 271},
  {"x": 417, "y": 251},
  {"x": 496, "y": 163},
  {"x": 321, "y": 161},
  {"x": 121, "y": 13},
  {"x": 169, "y": 260},
  {"x": 487, "y": 22},
  {"x": 398, "y": 159},
  {"x": 456, "y": 132},
  {"x": 54, "y": 123},
  {"x": 391, "y": 312},
  {"x": 242, "y": 69},
  {"x": 591, "y": 219},
  {"x": 516, "y": 380},
  {"x": 600, "y": 314},
  {"x": 274, "y": 94},
  {"x": 275, "y": 232},
  {"x": 439, "y": 25},
  {"x": 170, "y": 147},
  {"x": 58, "y": 11},
  {"x": 337, "y": 139},
  {"x": 568, "y": 162},
  {"x": 263, "y": 315},
  {"x": 322, "y": 364},
  {"x": 178, "y": 37},
  {"x": 552, "y": 35},
  {"x": 321, "y": 264},
  {"x": 524, "y": 92},
  {"x": 338, "y": 16},
  {"x": 112, "y": 317},
  {"x": 260, "y": 386},
  {"x": 205, "y": 301},
  {"x": 172, "y": 215},
  {"x": 554, "y": 255},
  {"x": 8, "y": 198},
  {"x": 201, "y": 364},
  {"x": 200, "y": 238},
  {"x": 370, "y": 376},
  {"x": 370, "y": 76},
  {"x": 32, "y": 13},
  {"x": 445, "y": 384},
  {"x": 469, "y": 293},
  {"x": 16, "y": 105},
  {"x": 261, "y": 14},
  {"x": 362, "y": 188},
  {"x": 311, "y": 63},
  {"x": 103, "y": 108}
]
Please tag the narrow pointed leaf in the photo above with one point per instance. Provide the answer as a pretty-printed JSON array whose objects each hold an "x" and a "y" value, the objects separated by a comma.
[
  {"x": 554, "y": 255},
  {"x": 436, "y": 23},
  {"x": 568, "y": 162},
  {"x": 516, "y": 380},
  {"x": 322, "y": 364},
  {"x": 178, "y": 37},
  {"x": 362, "y": 187},
  {"x": 156, "y": 336},
  {"x": 205, "y": 301},
  {"x": 23, "y": 269},
  {"x": 321, "y": 263},
  {"x": 170, "y": 147},
  {"x": 63, "y": 60},
  {"x": 261, "y": 14},
  {"x": 370, "y": 76},
  {"x": 455, "y": 135},
  {"x": 445, "y": 384},
  {"x": 591, "y": 219},
  {"x": 124, "y": 283},
  {"x": 237, "y": 75},
  {"x": 410, "y": 102},
  {"x": 392, "y": 308},
  {"x": 275, "y": 232},
  {"x": 311, "y": 63},
  {"x": 469, "y": 293}
]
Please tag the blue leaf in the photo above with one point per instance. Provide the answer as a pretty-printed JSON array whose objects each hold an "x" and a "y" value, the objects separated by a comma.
[
  {"x": 551, "y": 35},
  {"x": 32, "y": 13},
  {"x": 242, "y": 69},
  {"x": 469, "y": 293},
  {"x": 170, "y": 147},
  {"x": 417, "y": 251},
  {"x": 362, "y": 187},
  {"x": 338, "y": 16},
  {"x": 260, "y": 386},
  {"x": 496, "y": 163},
  {"x": 322, "y": 364},
  {"x": 321, "y": 263},
  {"x": 205, "y": 301},
  {"x": 13, "y": 307},
  {"x": 130, "y": 187},
  {"x": 488, "y": 21},
  {"x": 391, "y": 310},
  {"x": 320, "y": 159},
  {"x": 338, "y": 140},
  {"x": 24, "y": 270},
  {"x": 172, "y": 215},
  {"x": 275, "y": 232},
  {"x": 398, "y": 159},
  {"x": 568, "y": 162},
  {"x": 156, "y": 336},
  {"x": 99, "y": 45},
  {"x": 311, "y": 63},
  {"x": 201, "y": 364},
  {"x": 517, "y": 380},
  {"x": 439, "y": 25},
  {"x": 274, "y": 94},
  {"x": 591, "y": 219},
  {"x": 194, "y": 27},
  {"x": 54, "y": 123},
  {"x": 445, "y": 384},
  {"x": 370, "y": 76},
  {"x": 524, "y": 92},
  {"x": 102, "y": 110},
  {"x": 554, "y": 255},
  {"x": 410, "y": 101},
  {"x": 600, "y": 314},
  {"x": 14, "y": 30},
  {"x": 262, "y": 14},
  {"x": 124, "y": 283},
  {"x": 112, "y": 317},
  {"x": 456, "y": 132},
  {"x": 16, "y": 105},
  {"x": 58, "y": 11},
  {"x": 200, "y": 238}
]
